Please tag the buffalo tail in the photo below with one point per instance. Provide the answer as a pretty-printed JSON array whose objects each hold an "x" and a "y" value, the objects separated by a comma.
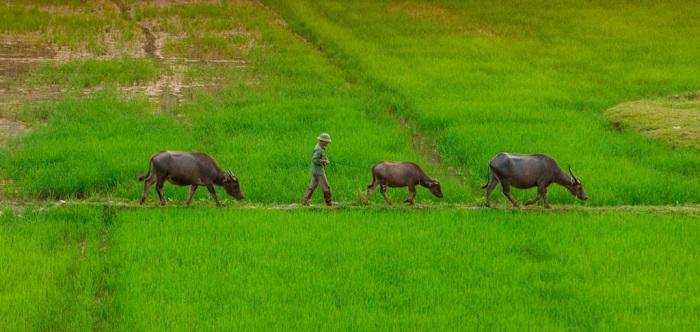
[
  {"x": 488, "y": 179},
  {"x": 144, "y": 177}
]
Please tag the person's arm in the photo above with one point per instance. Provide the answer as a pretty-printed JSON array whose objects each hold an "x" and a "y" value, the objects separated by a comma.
[{"x": 319, "y": 158}]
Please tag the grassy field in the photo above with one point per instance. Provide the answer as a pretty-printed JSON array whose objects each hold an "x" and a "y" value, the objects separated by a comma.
[
  {"x": 54, "y": 267},
  {"x": 446, "y": 84},
  {"x": 348, "y": 269},
  {"x": 479, "y": 79}
]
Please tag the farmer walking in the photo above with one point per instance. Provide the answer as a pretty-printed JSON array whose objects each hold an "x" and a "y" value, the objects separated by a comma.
[{"x": 318, "y": 171}]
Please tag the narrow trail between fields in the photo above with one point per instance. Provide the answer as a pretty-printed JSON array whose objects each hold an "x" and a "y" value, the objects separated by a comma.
[{"x": 111, "y": 207}]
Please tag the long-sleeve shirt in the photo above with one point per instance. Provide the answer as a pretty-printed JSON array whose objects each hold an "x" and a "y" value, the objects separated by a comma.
[{"x": 318, "y": 165}]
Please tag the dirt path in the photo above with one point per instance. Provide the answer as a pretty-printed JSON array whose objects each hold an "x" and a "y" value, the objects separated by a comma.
[{"x": 114, "y": 205}]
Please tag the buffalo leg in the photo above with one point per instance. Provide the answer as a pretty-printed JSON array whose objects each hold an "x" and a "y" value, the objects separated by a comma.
[
  {"x": 490, "y": 186},
  {"x": 370, "y": 189},
  {"x": 147, "y": 184},
  {"x": 159, "y": 188},
  {"x": 382, "y": 189},
  {"x": 506, "y": 191},
  {"x": 541, "y": 192},
  {"x": 544, "y": 199},
  {"x": 213, "y": 194},
  {"x": 193, "y": 188},
  {"x": 411, "y": 195}
]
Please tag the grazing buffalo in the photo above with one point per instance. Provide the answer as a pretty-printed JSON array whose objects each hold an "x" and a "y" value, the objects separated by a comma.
[
  {"x": 525, "y": 171},
  {"x": 188, "y": 169},
  {"x": 396, "y": 175}
]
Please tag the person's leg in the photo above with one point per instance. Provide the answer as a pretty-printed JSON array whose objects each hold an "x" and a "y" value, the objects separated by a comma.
[
  {"x": 323, "y": 181},
  {"x": 309, "y": 191}
]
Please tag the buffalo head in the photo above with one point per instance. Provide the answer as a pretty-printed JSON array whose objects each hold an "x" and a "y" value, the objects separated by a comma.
[
  {"x": 434, "y": 187},
  {"x": 576, "y": 187},
  {"x": 232, "y": 186}
]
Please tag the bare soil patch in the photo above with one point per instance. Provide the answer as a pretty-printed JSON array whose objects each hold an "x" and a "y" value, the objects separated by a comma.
[
  {"x": 16, "y": 56},
  {"x": 11, "y": 128},
  {"x": 176, "y": 52}
]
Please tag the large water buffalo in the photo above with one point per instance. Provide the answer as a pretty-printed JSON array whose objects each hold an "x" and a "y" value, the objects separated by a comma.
[
  {"x": 192, "y": 169},
  {"x": 396, "y": 175},
  {"x": 525, "y": 171}
]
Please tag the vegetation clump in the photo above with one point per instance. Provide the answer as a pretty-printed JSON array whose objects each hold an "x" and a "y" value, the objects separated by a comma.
[{"x": 672, "y": 120}]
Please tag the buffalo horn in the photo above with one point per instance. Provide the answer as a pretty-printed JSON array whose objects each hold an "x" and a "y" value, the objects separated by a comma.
[
  {"x": 572, "y": 174},
  {"x": 231, "y": 174}
]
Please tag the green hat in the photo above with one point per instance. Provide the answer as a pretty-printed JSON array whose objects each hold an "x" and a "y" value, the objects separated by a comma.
[{"x": 324, "y": 137}]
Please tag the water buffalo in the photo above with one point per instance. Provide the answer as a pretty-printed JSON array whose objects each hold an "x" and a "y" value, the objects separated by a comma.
[
  {"x": 525, "y": 171},
  {"x": 396, "y": 175},
  {"x": 188, "y": 169}
]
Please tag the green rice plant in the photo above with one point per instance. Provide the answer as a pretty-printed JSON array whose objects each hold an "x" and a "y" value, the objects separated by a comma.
[
  {"x": 77, "y": 25},
  {"x": 472, "y": 81},
  {"x": 90, "y": 73},
  {"x": 88, "y": 146},
  {"x": 20, "y": 19},
  {"x": 446, "y": 84},
  {"x": 479, "y": 79},
  {"x": 265, "y": 132},
  {"x": 384, "y": 269},
  {"x": 53, "y": 264},
  {"x": 99, "y": 267}
]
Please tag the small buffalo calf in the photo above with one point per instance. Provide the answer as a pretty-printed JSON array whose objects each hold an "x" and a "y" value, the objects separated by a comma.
[{"x": 397, "y": 175}]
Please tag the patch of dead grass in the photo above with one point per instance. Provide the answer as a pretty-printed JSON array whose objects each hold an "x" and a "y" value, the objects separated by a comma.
[
  {"x": 674, "y": 120},
  {"x": 441, "y": 17}
]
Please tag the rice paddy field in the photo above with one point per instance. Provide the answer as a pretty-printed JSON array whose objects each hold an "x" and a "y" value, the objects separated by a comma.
[{"x": 90, "y": 91}]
